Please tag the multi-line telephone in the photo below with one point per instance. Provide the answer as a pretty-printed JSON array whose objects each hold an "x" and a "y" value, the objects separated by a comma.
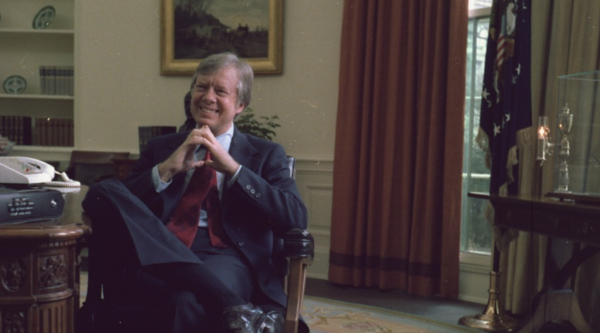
[
  {"x": 29, "y": 171},
  {"x": 24, "y": 193}
]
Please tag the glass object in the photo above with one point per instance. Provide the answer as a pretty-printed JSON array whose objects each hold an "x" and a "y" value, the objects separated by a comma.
[
  {"x": 576, "y": 167},
  {"x": 544, "y": 146},
  {"x": 565, "y": 124}
]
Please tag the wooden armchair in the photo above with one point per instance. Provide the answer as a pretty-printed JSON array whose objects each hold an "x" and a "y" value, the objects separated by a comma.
[
  {"x": 299, "y": 249},
  {"x": 101, "y": 316}
]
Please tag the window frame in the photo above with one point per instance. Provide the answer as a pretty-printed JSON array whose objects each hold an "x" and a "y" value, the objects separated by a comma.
[{"x": 474, "y": 259}]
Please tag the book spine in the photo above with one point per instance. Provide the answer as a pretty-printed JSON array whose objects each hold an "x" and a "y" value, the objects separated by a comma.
[
  {"x": 71, "y": 80},
  {"x": 11, "y": 128},
  {"x": 28, "y": 125},
  {"x": 18, "y": 130},
  {"x": 58, "y": 80},
  {"x": 55, "y": 130},
  {"x": 47, "y": 133},
  {"x": 61, "y": 80},
  {"x": 36, "y": 132},
  {"x": 51, "y": 80},
  {"x": 42, "y": 82},
  {"x": 37, "y": 137},
  {"x": 65, "y": 132}
]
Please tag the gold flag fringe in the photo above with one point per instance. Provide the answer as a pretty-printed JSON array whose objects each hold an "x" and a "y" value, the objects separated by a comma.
[
  {"x": 502, "y": 240},
  {"x": 484, "y": 144}
]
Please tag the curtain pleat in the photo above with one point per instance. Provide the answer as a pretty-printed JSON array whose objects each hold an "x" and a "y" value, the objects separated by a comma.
[{"x": 398, "y": 155}]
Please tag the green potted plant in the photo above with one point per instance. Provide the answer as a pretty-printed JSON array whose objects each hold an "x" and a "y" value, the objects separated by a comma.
[{"x": 263, "y": 127}]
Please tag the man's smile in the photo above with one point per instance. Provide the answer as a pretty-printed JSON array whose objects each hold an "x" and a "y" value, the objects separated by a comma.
[{"x": 208, "y": 111}]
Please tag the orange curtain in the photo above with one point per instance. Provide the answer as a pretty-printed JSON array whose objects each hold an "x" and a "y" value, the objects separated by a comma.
[{"x": 398, "y": 152}]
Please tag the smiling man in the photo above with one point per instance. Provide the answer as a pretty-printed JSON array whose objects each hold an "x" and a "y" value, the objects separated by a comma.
[{"x": 191, "y": 229}]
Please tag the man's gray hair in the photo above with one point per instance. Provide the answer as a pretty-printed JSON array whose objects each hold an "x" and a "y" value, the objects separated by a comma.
[{"x": 217, "y": 62}]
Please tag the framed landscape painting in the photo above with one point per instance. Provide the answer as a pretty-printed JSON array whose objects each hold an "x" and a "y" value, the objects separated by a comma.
[{"x": 194, "y": 29}]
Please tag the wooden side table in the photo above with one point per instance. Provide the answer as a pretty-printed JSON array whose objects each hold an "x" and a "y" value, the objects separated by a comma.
[
  {"x": 568, "y": 220},
  {"x": 39, "y": 272}
]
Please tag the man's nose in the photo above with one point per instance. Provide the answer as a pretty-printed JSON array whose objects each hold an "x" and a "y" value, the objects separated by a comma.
[{"x": 209, "y": 95}]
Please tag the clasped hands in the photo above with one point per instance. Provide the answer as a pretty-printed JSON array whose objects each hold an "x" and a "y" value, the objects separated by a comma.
[{"x": 182, "y": 159}]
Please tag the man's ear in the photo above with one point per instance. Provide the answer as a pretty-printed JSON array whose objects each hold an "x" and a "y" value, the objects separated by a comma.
[{"x": 239, "y": 109}]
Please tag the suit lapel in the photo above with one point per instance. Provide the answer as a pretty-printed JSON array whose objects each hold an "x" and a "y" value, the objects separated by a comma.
[{"x": 244, "y": 152}]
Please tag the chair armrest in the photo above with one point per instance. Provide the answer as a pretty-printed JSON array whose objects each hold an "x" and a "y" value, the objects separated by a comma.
[{"x": 299, "y": 243}]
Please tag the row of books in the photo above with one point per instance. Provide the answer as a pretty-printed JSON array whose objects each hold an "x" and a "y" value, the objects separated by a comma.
[
  {"x": 148, "y": 132},
  {"x": 53, "y": 132},
  {"x": 17, "y": 129},
  {"x": 57, "y": 80},
  {"x": 37, "y": 131},
  {"x": 59, "y": 132}
]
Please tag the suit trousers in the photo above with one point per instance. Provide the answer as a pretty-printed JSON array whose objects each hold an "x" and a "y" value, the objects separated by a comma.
[{"x": 141, "y": 260}]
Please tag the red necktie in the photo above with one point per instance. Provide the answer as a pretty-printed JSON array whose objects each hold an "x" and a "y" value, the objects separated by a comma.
[{"x": 184, "y": 222}]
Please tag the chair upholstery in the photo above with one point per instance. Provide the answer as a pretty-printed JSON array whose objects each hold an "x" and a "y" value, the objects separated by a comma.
[{"x": 297, "y": 248}]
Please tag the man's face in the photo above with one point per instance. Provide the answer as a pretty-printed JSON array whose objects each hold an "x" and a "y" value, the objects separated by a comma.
[{"x": 214, "y": 100}]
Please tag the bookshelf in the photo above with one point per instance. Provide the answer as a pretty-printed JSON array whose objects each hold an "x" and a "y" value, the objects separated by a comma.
[{"x": 48, "y": 101}]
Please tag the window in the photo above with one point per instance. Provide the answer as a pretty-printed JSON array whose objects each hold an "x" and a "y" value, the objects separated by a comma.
[{"x": 476, "y": 233}]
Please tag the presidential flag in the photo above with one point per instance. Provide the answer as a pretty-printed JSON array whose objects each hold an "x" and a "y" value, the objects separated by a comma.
[{"x": 505, "y": 121}]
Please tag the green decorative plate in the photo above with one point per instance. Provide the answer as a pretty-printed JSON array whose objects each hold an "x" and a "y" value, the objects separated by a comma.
[
  {"x": 44, "y": 17},
  {"x": 14, "y": 84}
]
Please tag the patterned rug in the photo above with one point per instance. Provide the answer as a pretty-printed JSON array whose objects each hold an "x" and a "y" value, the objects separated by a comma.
[{"x": 327, "y": 316}]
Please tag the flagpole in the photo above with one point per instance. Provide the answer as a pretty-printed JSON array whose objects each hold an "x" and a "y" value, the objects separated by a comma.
[
  {"x": 505, "y": 112},
  {"x": 493, "y": 318}
]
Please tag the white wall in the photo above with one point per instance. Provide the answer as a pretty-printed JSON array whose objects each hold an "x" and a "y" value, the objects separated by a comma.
[{"x": 120, "y": 88}]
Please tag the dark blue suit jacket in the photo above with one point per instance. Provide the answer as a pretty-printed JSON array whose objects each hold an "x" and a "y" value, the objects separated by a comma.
[{"x": 262, "y": 203}]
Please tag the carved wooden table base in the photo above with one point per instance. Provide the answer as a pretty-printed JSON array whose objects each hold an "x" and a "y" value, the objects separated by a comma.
[{"x": 39, "y": 274}]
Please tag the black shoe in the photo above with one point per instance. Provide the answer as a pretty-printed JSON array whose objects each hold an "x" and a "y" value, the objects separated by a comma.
[
  {"x": 242, "y": 318},
  {"x": 271, "y": 322},
  {"x": 251, "y": 319}
]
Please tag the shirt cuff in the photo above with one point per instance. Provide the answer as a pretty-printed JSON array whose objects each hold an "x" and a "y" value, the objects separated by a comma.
[
  {"x": 234, "y": 177},
  {"x": 159, "y": 185}
]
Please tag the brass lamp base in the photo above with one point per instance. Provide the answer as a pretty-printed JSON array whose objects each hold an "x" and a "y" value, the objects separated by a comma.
[
  {"x": 492, "y": 319},
  {"x": 490, "y": 323}
]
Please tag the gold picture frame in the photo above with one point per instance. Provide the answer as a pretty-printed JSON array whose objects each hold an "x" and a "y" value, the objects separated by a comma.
[{"x": 212, "y": 36}]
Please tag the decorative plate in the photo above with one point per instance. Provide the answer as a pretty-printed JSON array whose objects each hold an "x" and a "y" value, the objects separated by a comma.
[
  {"x": 44, "y": 17},
  {"x": 14, "y": 84}
]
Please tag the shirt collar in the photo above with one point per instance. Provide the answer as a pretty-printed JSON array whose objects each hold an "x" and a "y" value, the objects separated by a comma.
[{"x": 224, "y": 139}]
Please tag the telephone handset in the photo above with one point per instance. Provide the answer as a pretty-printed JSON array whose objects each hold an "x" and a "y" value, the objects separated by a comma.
[{"x": 26, "y": 170}]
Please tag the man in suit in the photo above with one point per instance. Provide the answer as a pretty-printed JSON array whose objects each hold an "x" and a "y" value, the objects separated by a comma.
[{"x": 208, "y": 279}]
